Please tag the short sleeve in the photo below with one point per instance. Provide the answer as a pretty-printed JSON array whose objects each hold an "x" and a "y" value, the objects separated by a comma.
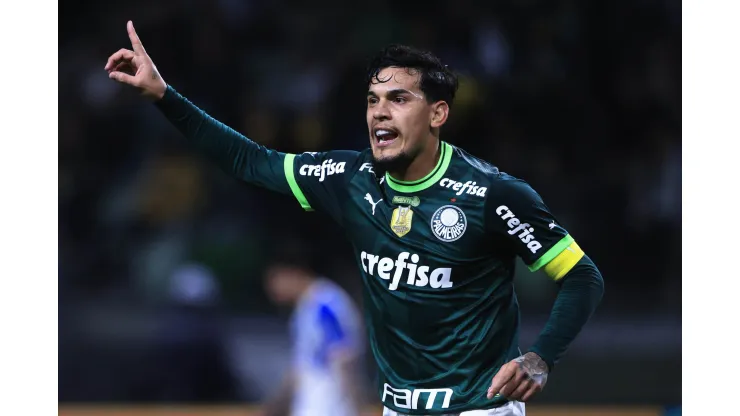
[
  {"x": 318, "y": 180},
  {"x": 518, "y": 215}
]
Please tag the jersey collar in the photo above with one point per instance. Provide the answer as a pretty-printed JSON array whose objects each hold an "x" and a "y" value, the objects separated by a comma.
[{"x": 430, "y": 179}]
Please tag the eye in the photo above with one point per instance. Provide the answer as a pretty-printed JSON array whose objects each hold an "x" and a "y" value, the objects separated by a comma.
[
  {"x": 372, "y": 100},
  {"x": 399, "y": 100}
]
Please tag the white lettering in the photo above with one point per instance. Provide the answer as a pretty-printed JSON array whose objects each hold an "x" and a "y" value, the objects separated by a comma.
[
  {"x": 371, "y": 261},
  {"x": 405, "y": 396},
  {"x": 409, "y": 399},
  {"x": 449, "y": 233},
  {"x": 465, "y": 186},
  {"x": 400, "y": 265},
  {"x": 469, "y": 187},
  {"x": 518, "y": 228},
  {"x": 326, "y": 168},
  {"x": 412, "y": 269},
  {"x": 384, "y": 267},
  {"x": 430, "y": 399},
  {"x": 394, "y": 270},
  {"x": 440, "y": 278},
  {"x": 421, "y": 274},
  {"x": 366, "y": 166},
  {"x": 363, "y": 257},
  {"x": 515, "y": 226},
  {"x": 533, "y": 246}
]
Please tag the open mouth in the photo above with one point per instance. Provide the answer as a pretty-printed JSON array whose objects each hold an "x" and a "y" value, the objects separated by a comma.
[{"x": 385, "y": 136}]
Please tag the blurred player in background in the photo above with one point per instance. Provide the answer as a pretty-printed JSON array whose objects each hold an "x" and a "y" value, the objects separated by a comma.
[
  {"x": 435, "y": 231},
  {"x": 326, "y": 372}
]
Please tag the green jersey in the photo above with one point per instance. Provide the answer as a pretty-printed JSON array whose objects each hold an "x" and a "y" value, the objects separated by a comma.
[{"x": 437, "y": 257}]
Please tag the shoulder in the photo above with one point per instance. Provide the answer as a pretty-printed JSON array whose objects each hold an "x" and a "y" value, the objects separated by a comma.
[
  {"x": 334, "y": 163},
  {"x": 473, "y": 174},
  {"x": 486, "y": 178},
  {"x": 507, "y": 185},
  {"x": 474, "y": 163},
  {"x": 364, "y": 160},
  {"x": 352, "y": 160},
  {"x": 335, "y": 157}
]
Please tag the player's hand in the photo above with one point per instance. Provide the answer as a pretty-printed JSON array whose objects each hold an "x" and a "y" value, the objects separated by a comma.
[
  {"x": 520, "y": 378},
  {"x": 135, "y": 68}
]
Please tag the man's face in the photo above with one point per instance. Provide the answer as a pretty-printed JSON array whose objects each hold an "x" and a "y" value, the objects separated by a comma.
[{"x": 398, "y": 115}]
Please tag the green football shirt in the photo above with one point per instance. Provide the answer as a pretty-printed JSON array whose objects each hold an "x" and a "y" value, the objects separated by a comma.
[
  {"x": 437, "y": 259},
  {"x": 437, "y": 255}
]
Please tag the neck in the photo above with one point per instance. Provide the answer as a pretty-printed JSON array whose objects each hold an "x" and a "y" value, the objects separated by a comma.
[{"x": 421, "y": 165}]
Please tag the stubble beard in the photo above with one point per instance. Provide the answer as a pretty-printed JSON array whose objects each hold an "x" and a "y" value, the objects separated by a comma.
[{"x": 395, "y": 163}]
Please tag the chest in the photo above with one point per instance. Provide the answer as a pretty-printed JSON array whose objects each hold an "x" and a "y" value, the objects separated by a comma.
[{"x": 433, "y": 222}]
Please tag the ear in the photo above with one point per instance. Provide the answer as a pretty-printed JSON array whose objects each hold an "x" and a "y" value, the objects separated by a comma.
[{"x": 440, "y": 111}]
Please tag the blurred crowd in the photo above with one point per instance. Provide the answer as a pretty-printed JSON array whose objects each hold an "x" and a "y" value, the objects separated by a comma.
[{"x": 161, "y": 254}]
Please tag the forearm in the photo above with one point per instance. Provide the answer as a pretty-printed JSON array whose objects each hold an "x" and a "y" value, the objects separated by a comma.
[
  {"x": 230, "y": 150},
  {"x": 580, "y": 293}
]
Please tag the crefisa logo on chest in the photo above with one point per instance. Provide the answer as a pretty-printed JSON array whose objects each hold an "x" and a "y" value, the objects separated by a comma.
[{"x": 449, "y": 223}]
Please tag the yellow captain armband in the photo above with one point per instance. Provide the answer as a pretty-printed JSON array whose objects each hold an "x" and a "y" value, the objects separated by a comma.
[
  {"x": 560, "y": 258},
  {"x": 563, "y": 262}
]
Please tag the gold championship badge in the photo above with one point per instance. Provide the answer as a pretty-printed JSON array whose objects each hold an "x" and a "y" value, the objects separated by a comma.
[{"x": 401, "y": 220}]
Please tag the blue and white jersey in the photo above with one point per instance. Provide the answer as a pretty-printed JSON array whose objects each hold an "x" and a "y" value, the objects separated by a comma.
[{"x": 325, "y": 327}]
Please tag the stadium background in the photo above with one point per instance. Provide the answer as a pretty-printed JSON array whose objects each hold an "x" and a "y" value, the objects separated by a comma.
[{"x": 161, "y": 254}]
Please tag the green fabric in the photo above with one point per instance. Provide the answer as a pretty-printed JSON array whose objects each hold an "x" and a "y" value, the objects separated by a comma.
[{"x": 580, "y": 292}]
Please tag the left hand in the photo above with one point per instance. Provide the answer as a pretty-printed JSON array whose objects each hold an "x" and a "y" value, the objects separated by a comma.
[
  {"x": 520, "y": 378},
  {"x": 136, "y": 68}
]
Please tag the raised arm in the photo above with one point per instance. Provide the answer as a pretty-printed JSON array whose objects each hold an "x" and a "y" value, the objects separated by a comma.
[{"x": 234, "y": 153}]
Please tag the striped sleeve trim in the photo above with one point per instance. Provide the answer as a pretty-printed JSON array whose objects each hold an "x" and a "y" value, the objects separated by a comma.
[
  {"x": 558, "y": 267},
  {"x": 551, "y": 253},
  {"x": 290, "y": 177}
]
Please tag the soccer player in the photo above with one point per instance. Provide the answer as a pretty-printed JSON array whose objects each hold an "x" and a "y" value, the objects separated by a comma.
[
  {"x": 435, "y": 231},
  {"x": 326, "y": 333}
]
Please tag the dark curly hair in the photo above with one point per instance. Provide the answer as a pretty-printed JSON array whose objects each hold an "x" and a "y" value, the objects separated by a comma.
[{"x": 437, "y": 81}]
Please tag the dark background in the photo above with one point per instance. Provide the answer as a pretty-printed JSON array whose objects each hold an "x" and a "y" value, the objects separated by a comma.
[{"x": 161, "y": 254}]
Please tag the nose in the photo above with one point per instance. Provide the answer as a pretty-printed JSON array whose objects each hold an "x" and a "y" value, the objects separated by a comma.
[{"x": 381, "y": 112}]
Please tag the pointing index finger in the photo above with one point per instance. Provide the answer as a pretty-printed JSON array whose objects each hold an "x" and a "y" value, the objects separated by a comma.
[{"x": 135, "y": 41}]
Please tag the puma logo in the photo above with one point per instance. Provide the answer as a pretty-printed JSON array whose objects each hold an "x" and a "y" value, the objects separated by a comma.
[{"x": 369, "y": 199}]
